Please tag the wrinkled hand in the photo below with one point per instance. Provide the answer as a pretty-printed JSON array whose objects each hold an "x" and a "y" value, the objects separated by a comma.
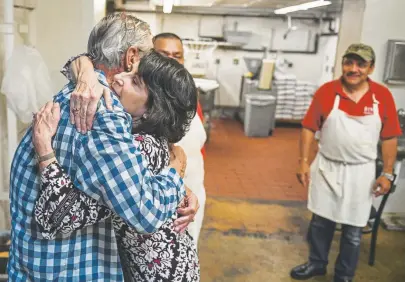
[
  {"x": 303, "y": 173},
  {"x": 381, "y": 186},
  {"x": 187, "y": 211},
  {"x": 178, "y": 160},
  {"x": 84, "y": 100},
  {"x": 44, "y": 127}
]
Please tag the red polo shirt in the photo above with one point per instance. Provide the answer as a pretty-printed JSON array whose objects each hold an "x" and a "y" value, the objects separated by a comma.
[
  {"x": 324, "y": 98},
  {"x": 201, "y": 115}
]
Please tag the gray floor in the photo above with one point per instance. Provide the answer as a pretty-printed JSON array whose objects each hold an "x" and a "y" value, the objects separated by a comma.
[{"x": 250, "y": 241}]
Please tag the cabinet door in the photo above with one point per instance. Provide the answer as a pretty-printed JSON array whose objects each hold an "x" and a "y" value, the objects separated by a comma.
[{"x": 328, "y": 44}]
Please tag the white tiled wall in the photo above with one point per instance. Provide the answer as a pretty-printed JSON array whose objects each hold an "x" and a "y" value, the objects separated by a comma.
[{"x": 305, "y": 66}]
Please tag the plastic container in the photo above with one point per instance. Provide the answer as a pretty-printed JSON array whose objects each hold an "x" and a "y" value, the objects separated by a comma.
[
  {"x": 4, "y": 248},
  {"x": 260, "y": 113},
  {"x": 207, "y": 100},
  {"x": 207, "y": 89}
]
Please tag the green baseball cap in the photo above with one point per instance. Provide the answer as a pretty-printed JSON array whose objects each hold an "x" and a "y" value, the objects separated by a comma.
[{"x": 363, "y": 51}]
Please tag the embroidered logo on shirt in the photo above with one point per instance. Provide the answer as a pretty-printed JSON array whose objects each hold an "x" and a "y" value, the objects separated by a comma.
[{"x": 368, "y": 110}]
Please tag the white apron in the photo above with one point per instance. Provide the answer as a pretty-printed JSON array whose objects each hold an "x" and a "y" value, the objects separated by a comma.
[
  {"x": 192, "y": 143},
  {"x": 343, "y": 172}
]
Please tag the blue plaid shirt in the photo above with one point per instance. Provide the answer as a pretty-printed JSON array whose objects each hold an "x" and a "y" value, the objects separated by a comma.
[{"x": 106, "y": 165}]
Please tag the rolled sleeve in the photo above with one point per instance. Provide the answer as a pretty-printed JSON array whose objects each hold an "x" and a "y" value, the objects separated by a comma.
[
  {"x": 313, "y": 117},
  {"x": 390, "y": 127},
  {"x": 112, "y": 170},
  {"x": 66, "y": 68}
]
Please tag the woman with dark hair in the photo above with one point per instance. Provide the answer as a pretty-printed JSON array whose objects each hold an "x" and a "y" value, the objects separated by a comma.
[{"x": 161, "y": 97}]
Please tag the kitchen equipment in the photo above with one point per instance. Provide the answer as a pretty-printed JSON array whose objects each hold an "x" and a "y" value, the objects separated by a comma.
[
  {"x": 253, "y": 65},
  {"x": 266, "y": 74},
  {"x": 4, "y": 247},
  {"x": 197, "y": 55},
  {"x": 237, "y": 37},
  {"x": 249, "y": 85},
  {"x": 394, "y": 72},
  {"x": 259, "y": 115},
  {"x": 207, "y": 89}
]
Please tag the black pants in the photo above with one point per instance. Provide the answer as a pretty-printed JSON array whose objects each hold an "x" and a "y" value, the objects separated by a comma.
[{"x": 320, "y": 236}]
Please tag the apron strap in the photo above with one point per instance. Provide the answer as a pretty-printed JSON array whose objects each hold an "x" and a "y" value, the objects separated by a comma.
[
  {"x": 336, "y": 103},
  {"x": 375, "y": 105}
]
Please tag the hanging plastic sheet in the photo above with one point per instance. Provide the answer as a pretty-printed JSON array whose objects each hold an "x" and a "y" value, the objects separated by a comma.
[{"x": 26, "y": 83}]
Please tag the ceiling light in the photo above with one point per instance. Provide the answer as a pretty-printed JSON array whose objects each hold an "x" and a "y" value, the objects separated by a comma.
[
  {"x": 167, "y": 6},
  {"x": 303, "y": 6}
]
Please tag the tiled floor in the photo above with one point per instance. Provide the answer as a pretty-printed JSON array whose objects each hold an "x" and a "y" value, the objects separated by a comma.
[
  {"x": 246, "y": 241},
  {"x": 256, "y": 168}
]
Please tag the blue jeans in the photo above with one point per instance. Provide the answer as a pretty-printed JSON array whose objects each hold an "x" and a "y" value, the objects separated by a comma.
[{"x": 320, "y": 236}]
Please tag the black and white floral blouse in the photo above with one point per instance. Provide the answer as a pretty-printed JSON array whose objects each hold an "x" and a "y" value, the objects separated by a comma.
[{"x": 163, "y": 256}]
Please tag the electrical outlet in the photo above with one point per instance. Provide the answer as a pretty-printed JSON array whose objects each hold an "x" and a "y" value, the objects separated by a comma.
[
  {"x": 217, "y": 61},
  {"x": 236, "y": 61}
]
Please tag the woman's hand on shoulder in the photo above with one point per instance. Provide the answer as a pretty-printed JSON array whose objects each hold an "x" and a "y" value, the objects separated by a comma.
[
  {"x": 178, "y": 159},
  {"x": 44, "y": 126}
]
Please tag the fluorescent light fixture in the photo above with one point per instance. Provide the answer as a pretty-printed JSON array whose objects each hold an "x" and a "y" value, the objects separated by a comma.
[
  {"x": 167, "y": 6},
  {"x": 303, "y": 6}
]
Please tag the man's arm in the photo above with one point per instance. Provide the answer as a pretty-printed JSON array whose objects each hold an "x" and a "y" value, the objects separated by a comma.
[
  {"x": 311, "y": 123},
  {"x": 111, "y": 169},
  {"x": 306, "y": 140},
  {"x": 390, "y": 131},
  {"x": 389, "y": 154}
]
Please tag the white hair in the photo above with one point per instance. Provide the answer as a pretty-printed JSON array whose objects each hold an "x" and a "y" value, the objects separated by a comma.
[{"x": 113, "y": 35}]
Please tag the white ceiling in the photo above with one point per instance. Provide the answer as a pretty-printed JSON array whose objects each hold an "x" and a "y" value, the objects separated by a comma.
[
  {"x": 245, "y": 3},
  {"x": 265, "y": 4}
]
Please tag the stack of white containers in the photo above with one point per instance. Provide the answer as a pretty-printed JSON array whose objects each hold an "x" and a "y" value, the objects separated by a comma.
[
  {"x": 304, "y": 92},
  {"x": 284, "y": 85}
]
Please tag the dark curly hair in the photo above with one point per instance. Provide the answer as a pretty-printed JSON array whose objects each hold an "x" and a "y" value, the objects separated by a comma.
[{"x": 172, "y": 97}]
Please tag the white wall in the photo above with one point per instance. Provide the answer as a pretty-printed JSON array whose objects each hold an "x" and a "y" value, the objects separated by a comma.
[
  {"x": 21, "y": 17},
  {"x": 62, "y": 29},
  {"x": 58, "y": 29},
  {"x": 305, "y": 66},
  {"x": 351, "y": 22},
  {"x": 384, "y": 20}
]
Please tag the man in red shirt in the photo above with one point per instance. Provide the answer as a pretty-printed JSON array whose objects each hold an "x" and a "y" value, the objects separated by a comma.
[
  {"x": 170, "y": 45},
  {"x": 352, "y": 115}
]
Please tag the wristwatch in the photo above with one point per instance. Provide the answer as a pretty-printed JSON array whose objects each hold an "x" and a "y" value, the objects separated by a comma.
[{"x": 389, "y": 176}]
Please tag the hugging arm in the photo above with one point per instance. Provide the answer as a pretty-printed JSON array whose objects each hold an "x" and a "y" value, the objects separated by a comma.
[
  {"x": 111, "y": 172},
  {"x": 87, "y": 93},
  {"x": 61, "y": 208},
  {"x": 81, "y": 68}
]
